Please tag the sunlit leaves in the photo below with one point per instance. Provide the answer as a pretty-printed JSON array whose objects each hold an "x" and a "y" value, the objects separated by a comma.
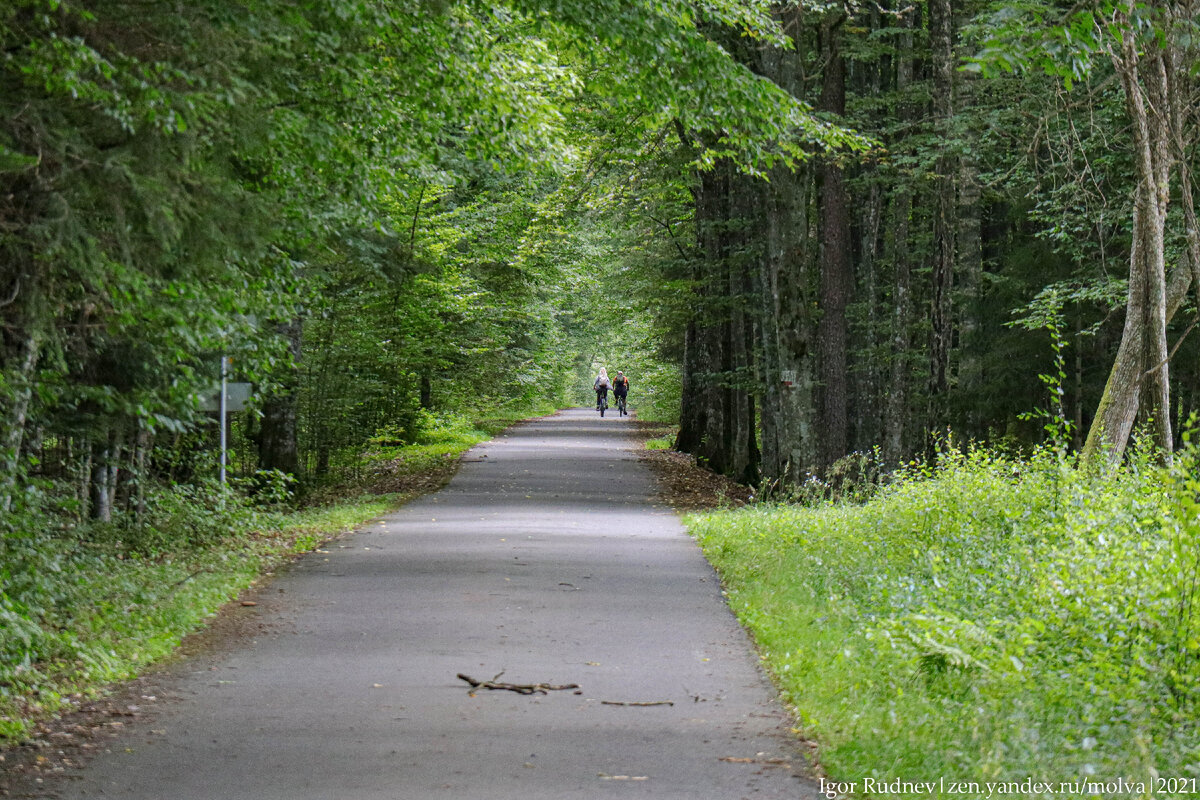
[
  {"x": 659, "y": 58},
  {"x": 1071, "y": 43}
]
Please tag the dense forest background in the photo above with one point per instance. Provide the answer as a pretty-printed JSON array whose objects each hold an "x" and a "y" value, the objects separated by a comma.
[{"x": 806, "y": 230}]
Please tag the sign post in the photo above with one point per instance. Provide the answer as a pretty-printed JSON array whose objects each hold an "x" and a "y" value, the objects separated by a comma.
[
  {"x": 230, "y": 396},
  {"x": 224, "y": 409}
]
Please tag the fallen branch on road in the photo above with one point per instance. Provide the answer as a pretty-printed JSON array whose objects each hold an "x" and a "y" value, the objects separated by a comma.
[
  {"x": 768, "y": 762},
  {"x": 519, "y": 688}
]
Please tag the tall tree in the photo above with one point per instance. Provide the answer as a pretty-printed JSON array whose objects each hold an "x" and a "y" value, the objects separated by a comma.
[
  {"x": 1155, "y": 81},
  {"x": 836, "y": 270},
  {"x": 942, "y": 60},
  {"x": 895, "y": 445}
]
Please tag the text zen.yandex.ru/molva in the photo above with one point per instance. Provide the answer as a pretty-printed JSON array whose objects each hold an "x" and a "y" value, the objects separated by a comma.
[{"x": 1029, "y": 787}]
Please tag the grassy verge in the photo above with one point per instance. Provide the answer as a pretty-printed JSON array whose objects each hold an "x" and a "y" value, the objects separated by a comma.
[
  {"x": 989, "y": 621},
  {"x": 85, "y": 606},
  {"x": 661, "y": 439}
]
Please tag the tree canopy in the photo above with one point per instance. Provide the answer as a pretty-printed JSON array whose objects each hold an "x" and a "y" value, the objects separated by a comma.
[{"x": 811, "y": 230}]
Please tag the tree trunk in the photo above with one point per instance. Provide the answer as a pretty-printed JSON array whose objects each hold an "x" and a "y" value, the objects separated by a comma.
[
  {"x": 941, "y": 42},
  {"x": 786, "y": 289},
  {"x": 702, "y": 421},
  {"x": 765, "y": 289},
  {"x": 278, "y": 446},
  {"x": 691, "y": 406},
  {"x": 1140, "y": 380},
  {"x": 426, "y": 392},
  {"x": 144, "y": 445},
  {"x": 100, "y": 500},
  {"x": 1183, "y": 127},
  {"x": 836, "y": 269},
  {"x": 969, "y": 276},
  {"x": 745, "y": 243},
  {"x": 19, "y": 395},
  {"x": 714, "y": 327},
  {"x": 115, "y": 451},
  {"x": 795, "y": 291},
  {"x": 866, "y": 393},
  {"x": 718, "y": 419},
  {"x": 896, "y": 411},
  {"x": 867, "y": 340},
  {"x": 895, "y": 443}
]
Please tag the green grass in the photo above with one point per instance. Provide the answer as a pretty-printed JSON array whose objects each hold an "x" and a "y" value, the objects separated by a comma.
[
  {"x": 988, "y": 620},
  {"x": 661, "y": 443},
  {"x": 660, "y": 436},
  {"x": 494, "y": 420},
  {"x": 448, "y": 435}
]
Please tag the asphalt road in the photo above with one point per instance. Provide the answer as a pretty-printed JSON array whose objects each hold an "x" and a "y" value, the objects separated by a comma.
[{"x": 545, "y": 559}]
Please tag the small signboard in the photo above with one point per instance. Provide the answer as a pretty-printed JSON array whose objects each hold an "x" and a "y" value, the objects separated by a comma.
[
  {"x": 787, "y": 377},
  {"x": 237, "y": 396}
]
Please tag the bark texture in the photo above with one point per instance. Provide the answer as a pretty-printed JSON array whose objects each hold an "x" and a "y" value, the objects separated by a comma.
[
  {"x": 837, "y": 277},
  {"x": 941, "y": 42}
]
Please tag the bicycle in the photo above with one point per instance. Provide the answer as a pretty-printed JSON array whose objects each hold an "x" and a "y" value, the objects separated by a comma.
[
  {"x": 602, "y": 405},
  {"x": 621, "y": 405}
]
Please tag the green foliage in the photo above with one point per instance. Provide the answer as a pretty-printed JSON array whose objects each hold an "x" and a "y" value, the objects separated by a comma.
[
  {"x": 180, "y": 183},
  {"x": 169, "y": 175},
  {"x": 438, "y": 438},
  {"x": 1072, "y": 41},
  {"x": 661, "y": 442},
  {"x": 666, "y": 61},
  {"x": 1045, "y": 312},
  {"x": 985, "y": 618}
]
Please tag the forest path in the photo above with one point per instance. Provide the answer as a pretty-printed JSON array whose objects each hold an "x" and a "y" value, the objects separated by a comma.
[{"x": 544, "y": 557}]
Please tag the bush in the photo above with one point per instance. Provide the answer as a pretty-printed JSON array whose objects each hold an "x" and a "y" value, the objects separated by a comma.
[{"x": 403, "y": 431}]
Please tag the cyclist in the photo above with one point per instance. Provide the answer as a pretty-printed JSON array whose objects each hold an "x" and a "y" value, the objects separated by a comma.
[
  {"x": 621, "y": 389},
  {"x": 602, "y": 384}
]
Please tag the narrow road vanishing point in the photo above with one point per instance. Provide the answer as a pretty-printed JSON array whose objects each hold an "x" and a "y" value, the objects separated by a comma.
[{"x": 544, "y": 560}]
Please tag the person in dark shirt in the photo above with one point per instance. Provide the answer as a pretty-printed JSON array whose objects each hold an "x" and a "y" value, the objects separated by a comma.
[{"x": 621, "y": 389}]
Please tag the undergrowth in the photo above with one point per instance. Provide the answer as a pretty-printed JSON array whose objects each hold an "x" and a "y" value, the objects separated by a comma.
[
  {"x": 440, "y": 436},
  {"x": 985, "y": 619}
]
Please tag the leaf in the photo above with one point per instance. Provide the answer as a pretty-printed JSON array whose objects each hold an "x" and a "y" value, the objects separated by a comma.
[{"x": 12, "y": 161}]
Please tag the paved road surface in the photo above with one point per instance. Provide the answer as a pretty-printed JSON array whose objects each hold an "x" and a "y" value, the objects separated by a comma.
[{"x": 544, "y": 558}]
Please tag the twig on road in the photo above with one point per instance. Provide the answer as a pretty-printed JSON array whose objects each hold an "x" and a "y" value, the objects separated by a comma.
[
  {"x": 764, "y": 761},
  {"x": 519, "y": 688}
]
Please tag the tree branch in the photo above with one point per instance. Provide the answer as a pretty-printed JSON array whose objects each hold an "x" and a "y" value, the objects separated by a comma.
[
  {"x": 412, "y": 233},
  {"x": 16, "y": 290},
  {"x": 671, "y": 233},
  {"x": 1171, "y": 355}
]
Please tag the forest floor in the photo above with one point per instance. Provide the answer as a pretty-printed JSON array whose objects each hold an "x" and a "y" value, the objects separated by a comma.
[
  {"x": 62, "y": 745},
  {"x": 684, "y": 485}
]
